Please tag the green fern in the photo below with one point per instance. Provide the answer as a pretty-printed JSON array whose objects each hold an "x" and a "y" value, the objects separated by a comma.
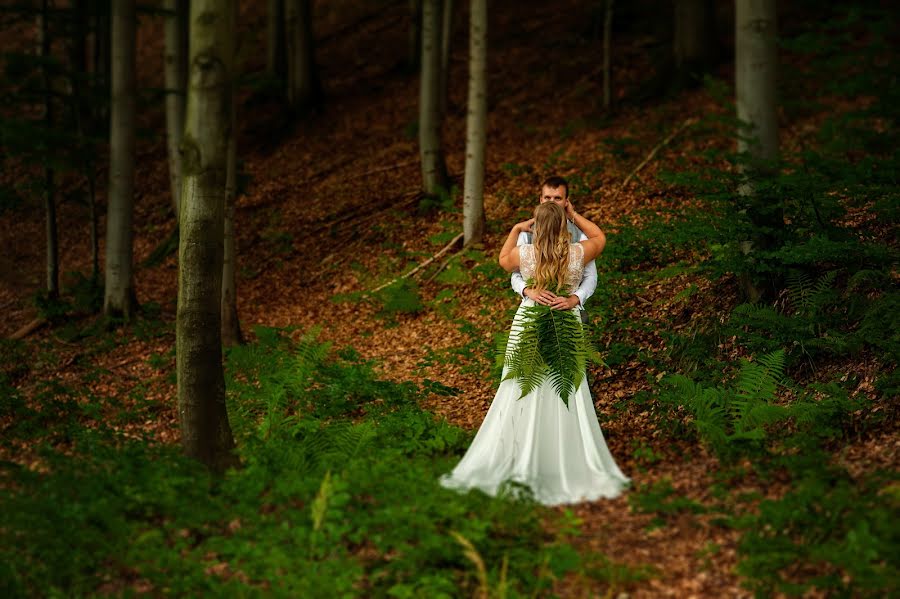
[{"x": 548, "y": 344}]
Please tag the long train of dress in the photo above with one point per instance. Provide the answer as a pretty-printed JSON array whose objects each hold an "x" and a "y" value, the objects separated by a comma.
[{"x": 558, "y": 452}]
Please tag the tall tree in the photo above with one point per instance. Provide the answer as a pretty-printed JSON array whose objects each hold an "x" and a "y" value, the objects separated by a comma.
[
  {"x": 304, "y": 86},
  {"x": 446, "y": 36},
  {"x": 414, "y": 45},
  {"x": 231, "y": 325},
  {"x": 434, "y": 170},
  {"x": 607, "y": 53},
  {"x": 694, "y": 40},
  {"x": 757, "y": 139},
  {"x": 276, "y": 51},
  {"x": 43, "y": 51},
  {"x": 119, "y": 298},
  {"x": 476, "y": 125},
  {"x": 176, "y": 42},
  {"x": 205, "y": 431}
]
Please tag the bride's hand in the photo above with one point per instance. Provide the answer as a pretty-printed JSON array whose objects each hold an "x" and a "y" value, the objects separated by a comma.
[{"x": 525, "y": 226}]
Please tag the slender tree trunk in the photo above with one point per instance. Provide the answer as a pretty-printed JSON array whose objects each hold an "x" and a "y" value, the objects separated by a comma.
[
  {"x": 693, "y": 42},
  {"x": 756, "y": 63},
  {"x": 276, "y": 55},
  {"x": 755, "y": 78},
  {"x": 434, "y": 170},
  {"x": 102, "y": 64},
  {"x": 607, "y": 53},
  {"x": 205, "y": 431},
  {"x": 414, "y": 47},
  {"x": 80, "y": 114},
  {"x": 43, "y": 50},
  {"x": 476, "y": 125},
  {"x": 304, "y": 87},
  {"x": 95, "y": 237},
  {"x": 231, "y": 324},
  {"x": 78, "y": 59},
  {"x": 176, "y": 41},
  {"x": 446, "y": 34},
  {"x": 119, "y": 299}
]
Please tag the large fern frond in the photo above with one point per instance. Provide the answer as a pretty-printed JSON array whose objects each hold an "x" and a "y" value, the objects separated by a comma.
[
  {"x": 548, "y": 344},
  {"x": 758, "y": 380}
]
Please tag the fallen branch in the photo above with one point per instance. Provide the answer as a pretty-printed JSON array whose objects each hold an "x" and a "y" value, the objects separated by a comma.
[
  {"x": 443, "y": 251},
  {"x": 687, "y": 123},
  {"x": 381, "y": 169},
  {"x": 443, "y": 265},
  {"x": 29, "y": 328}
]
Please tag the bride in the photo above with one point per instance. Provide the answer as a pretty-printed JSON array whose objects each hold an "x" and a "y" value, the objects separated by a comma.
[{"x": 537, "y": 441}]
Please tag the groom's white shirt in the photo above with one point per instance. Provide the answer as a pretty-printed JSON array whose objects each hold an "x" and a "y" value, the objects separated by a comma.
[{"x": 588, "y": 280}]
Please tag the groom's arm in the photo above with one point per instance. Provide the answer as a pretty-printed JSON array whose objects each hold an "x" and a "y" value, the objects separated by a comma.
[
  {"x": 588, "y": 283},
  {"x": 588, "y": 280},
  {"x": 517, "y": 280}
]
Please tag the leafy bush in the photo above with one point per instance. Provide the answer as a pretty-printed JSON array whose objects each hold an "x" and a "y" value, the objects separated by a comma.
[
  {"x": 829, "y": 532},
  {"x": 337, "y": 495},
  {"x": 746, "y": 417}
]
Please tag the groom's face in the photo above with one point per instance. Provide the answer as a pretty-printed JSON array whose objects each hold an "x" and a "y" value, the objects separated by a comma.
[{"x": 557, "y": 195}]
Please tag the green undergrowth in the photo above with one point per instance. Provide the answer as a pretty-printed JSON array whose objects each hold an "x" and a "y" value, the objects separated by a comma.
[{"x": 337, "y": 496}]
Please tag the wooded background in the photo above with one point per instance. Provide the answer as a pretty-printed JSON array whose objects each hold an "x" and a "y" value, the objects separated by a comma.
[{"x": 265, "y": 234}]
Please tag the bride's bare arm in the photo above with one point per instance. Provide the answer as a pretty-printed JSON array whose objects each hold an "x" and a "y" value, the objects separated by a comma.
[
  {"x": 595, "y": 241},
  {"x": 509, "y": 253}
]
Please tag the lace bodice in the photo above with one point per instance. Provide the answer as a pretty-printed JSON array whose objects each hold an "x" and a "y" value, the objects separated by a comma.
[{"x": 528, "y": 263}]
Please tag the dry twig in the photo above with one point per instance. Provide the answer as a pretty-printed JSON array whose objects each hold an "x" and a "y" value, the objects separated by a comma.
[
  {"x": 443, "y": 251},
  {"x": 687, "y": 123}
]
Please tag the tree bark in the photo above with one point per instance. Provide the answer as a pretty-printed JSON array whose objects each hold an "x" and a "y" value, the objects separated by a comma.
[
  {"x": 757, "y": 139},
  {"x": 434, "y": 170},
  {"x": 119, "y": 298},
  {"x": 80, "y": 105},
  {"x": 52, "y": 236},
  {"x": 102, "y": 58},
  {"x": 756, "y": 63},
  {"x": 446, "y": 34},
  {"x": 276, "y": 52},
  {"x": 231, "y": 325},
  {"x": 205, "y": 431},
  {"x": 414, "y": 47},
  {"x": 304, "y": 87},
  {"x": 476, "y": 125},
  {"x": 693, "y": 42},
  {"x": 176, "y": 41},
  {"x": 607, "y": 51}
]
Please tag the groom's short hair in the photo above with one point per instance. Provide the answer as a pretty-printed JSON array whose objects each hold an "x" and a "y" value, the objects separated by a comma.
[{"x": 554, "y": 182}]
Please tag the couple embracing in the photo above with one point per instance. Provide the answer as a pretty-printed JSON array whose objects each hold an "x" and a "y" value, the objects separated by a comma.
[{"x": 549, "y": 444}]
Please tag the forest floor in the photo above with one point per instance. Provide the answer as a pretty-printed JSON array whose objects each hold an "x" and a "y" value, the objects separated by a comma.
[{"x": 330, "y": 207}]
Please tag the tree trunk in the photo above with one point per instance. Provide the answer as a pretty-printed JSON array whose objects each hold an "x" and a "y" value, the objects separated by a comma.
[
  {"x": 304, "y": 88},
  {"x": 276, "y": 52},
  {"x": 176, "y": 41},
  {"x": 434, "y": 170},
  {"x": 52, "y": 237},
  {"x": 756, "y": 63},
  {"x": 102, "y": 56},
  {"x": 446, "y": 34},
  {"x": 205, "y": 432},
  {"x": 80, "y": 105},
  {"x": 476, "y": 125},
  {"x": 414, "y": 47},
  {"x": 231, "y": 325},
  {"x": 119, "y": 298},
  {"x": 694, "y": 39},
  {"x": 607, "y": 51},
  {"x": 755, "y": 77}
]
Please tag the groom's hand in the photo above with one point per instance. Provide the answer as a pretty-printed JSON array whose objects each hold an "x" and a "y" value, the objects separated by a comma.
[
  {"x": 564, "y": 303},
  {"x": 542, "y": 297}
]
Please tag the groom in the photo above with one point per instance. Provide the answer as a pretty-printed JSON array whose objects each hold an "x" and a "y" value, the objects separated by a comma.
[{"x": 556, "y": 190}]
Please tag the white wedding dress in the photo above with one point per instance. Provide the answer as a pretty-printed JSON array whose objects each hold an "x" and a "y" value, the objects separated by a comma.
[{"x": 558, "y": 452}]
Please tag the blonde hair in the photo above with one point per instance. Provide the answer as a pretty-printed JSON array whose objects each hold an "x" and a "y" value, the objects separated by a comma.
[{"x": 551, "y": 246}]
